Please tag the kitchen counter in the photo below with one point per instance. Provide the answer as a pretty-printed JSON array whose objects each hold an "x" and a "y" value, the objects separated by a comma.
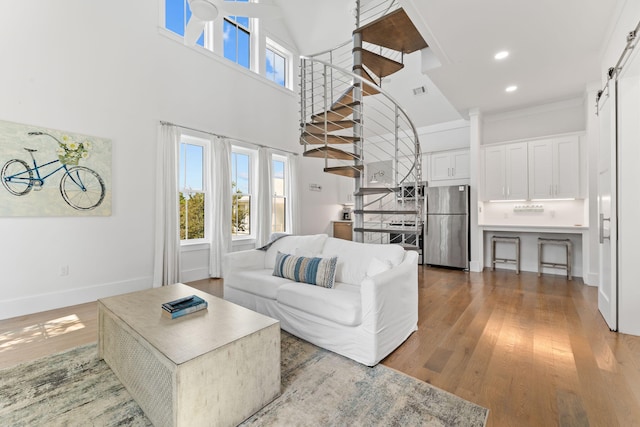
[
  {"x": 578, "y": 234},
  {"x": 578, "y": 229}
]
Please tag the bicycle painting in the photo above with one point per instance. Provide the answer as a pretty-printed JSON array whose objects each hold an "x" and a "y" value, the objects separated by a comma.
[{"x": 34, "y": 160}]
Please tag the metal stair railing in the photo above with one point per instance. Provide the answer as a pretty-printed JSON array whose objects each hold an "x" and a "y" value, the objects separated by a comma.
[{"x": 389, "y": 144}]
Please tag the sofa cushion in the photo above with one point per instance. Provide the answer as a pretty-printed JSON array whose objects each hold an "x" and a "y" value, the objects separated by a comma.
[
  {"x": 341, "y": 304},
  {"x": 257, "y": 282},
  {"x": 354, "y": 258},
  {"x": 314, "y": 271},
  {"x": 377, "y": 266},
  {"x": 290, "y": 244}
]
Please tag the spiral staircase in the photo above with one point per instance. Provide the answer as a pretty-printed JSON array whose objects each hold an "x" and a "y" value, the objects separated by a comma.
[{"x": 360, "y": 131}]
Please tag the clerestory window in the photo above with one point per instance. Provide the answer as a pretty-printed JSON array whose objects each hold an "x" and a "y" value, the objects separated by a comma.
[
  {"x": 237, "y": 38},
  {"x": 176, "y": 16}
]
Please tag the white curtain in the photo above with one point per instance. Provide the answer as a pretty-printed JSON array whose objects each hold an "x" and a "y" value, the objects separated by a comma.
[
  {"x": 264, "y": 197},
  {"x": 166, "y": 269},
  {"x": 294, "y": 193},
  {"x": 220, "y": 205}
]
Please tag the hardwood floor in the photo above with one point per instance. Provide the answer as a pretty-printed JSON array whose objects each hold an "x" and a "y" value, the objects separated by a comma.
[{"x": 535, "y": 351}]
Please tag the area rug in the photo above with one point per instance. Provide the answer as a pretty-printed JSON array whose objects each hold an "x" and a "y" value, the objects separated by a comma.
[{"x": 319, "y": 388}]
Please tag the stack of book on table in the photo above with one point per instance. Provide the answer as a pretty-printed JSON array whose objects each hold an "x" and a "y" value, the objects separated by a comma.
[{"x": 182, "y": 306}]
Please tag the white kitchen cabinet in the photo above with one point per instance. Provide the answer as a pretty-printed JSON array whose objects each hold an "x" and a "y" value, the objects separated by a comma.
[
  {"x": 554, "y": 168},
  {"x": 505, "y": 172},
  {"x": 450, "y": 165}
]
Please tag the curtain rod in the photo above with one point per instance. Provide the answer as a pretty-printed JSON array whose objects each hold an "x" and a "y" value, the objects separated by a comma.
[
  {"x": 614, "y": 71},
  {"x": 163, "y": 122}
]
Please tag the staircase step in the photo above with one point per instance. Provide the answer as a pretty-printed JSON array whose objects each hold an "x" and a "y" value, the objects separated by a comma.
[
  {"x": 347, "y": 97},
  {"x": 384, "y": 212},
  {"x": 365, "y": 191},
  {"x": 336, "y": 113},
  {"x": 318, "y": 138},
  {"x": 349, "y": 171},
  {"x": 408, "y": 247},
  {"x": 394, "y": 31},
  {"x": 331, "y": 153},
  {"x": 365, "y": 74},
  {"x": 388, "y": 230},
  {"x": 330, "y": 127},
  {"x": 380, "y": 65}
]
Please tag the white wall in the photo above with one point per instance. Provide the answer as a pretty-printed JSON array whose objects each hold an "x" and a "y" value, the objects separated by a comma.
[
  {"x": 444, "y": 136},
  {"x": 104, "y": 69},
  {"x": 319, "y": 208},
  {"x": 542, "y": 120}
]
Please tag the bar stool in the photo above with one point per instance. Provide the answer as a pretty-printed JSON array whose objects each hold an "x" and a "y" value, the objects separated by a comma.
[
  {"x": 561, "y": 242},
  {"x": 505, "y": 239}
]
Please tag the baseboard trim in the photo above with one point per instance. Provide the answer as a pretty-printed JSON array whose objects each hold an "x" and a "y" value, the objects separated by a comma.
[
  {"x": 52, "y": 300},
  {"x": 194, "y": 274},
  {"x": 592, "y": 279},
  {"x": 475, "y": 267}
]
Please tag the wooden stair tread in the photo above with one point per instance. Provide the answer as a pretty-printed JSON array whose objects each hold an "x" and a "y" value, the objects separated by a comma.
[
  {"x": 349, "y": 171},
  {"x": 331, "y": 153},
  {"x": 393, "y": 31},
  {"x": 338, "y": 112},
  {"x": 384, "y": 212},
  {"x": 380, "y": 65},
  {"x": 315, "y": 127},
  {"x": 364, "y": 191},
  {"x": 319, "y": 138},
  {"x": 365, "y": 74},
  {"x": 408, "y": 247},
  {"x": 347, "y": 96},
  {"x": 388, "y": 230}
]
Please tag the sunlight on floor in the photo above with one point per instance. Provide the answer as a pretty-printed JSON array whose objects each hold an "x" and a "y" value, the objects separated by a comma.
[{"x": 40, "y": 331}]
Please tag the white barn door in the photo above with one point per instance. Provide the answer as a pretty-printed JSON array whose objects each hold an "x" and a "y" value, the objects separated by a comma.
[{"x": 608, "y": 285}]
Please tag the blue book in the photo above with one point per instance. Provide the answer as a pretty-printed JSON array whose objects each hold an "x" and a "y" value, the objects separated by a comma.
[
  {"x": 185, "y": 311},
  {"x": 182, "y": 303}
]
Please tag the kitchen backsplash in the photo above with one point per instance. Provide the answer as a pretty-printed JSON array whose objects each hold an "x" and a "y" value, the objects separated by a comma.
[{"x": 558, "y": 213}]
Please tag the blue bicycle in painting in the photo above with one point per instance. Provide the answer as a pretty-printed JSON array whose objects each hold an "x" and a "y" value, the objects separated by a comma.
[{"x": 82, "y": 188}]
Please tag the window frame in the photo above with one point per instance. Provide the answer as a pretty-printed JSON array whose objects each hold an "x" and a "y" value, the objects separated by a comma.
[
  {"x": 193, "y": 139},
  {"x": 278, "y": 49},
  {"x": 250, "y": 29},
  {"x": 253, "y": 163},
  {"x": 285, "y": 191},
  {"x": 208, "y": 42}
]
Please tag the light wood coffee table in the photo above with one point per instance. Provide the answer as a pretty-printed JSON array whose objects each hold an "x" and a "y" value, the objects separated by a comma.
[{"x": 214, "y": 367}]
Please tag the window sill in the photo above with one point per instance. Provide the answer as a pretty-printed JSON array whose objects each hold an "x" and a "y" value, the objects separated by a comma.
[{"x": 194, "y": 246}]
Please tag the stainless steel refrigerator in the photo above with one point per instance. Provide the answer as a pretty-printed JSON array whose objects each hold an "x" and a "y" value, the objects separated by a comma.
[{"x": 446, "y": 240}]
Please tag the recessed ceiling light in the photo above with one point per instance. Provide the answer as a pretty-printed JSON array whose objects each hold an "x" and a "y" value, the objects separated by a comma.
[
  {"x": 511, "y": 88},
  {"x": 501, "y": 55}
]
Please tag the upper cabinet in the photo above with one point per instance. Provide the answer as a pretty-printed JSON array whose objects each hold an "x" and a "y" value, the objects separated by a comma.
[
  {"x": 450, "y": 165},
  {"x": 540, "y": 169},
  {"x": 505, "y": 172},
  {"x": 554, "y": 168}
]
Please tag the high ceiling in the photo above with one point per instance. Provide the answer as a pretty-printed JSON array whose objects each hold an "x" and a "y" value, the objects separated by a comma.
[{"x": 555, "y": 50}]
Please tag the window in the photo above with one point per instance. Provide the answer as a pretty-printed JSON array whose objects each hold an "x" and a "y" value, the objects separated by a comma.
[
  {"x": 276, "y": 64},
  {"x": 237, "y": 39},
  {"x": 192, "y": 188},
  {"x": 279, "y": 202},
  {"x": 241, "y": 186},
  {"x": 176, "y": 16}
]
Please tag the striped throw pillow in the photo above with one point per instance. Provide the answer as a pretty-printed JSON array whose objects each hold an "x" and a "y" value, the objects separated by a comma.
[{"x": 315, "y": 271}]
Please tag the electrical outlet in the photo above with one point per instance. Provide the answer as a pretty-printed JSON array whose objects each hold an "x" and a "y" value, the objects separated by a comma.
[{"x": 64, "y": 270}]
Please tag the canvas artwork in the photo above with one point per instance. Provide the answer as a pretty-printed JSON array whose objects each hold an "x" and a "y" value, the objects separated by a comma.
[{"x": 48, "y": 172}]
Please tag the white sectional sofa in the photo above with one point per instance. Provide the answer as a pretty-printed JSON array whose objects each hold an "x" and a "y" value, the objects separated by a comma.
[{"x": 370, "y": 311}]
